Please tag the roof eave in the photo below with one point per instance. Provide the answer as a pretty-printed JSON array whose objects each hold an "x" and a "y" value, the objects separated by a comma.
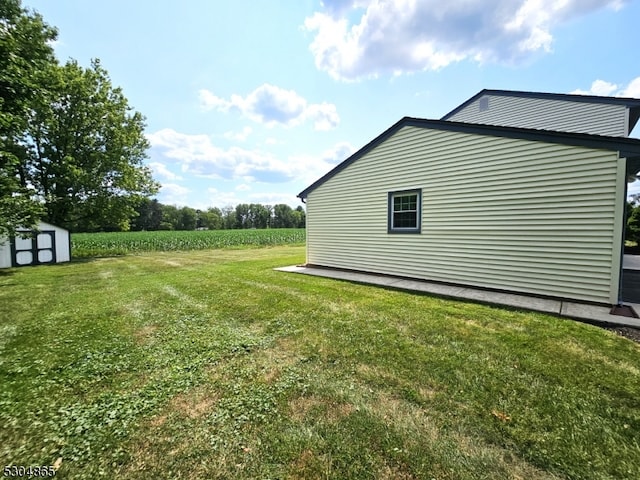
[
  {"x": 625, "y": 146},
  {"x": 345, "y": 163},
  {"x": 627, "y": 101}
]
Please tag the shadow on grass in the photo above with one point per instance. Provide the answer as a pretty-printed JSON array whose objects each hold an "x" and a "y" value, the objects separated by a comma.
[
  {"x": 10, "y": 271},
  {"x": 81, "y": 260},
  {"x": 6, "y": 272}
]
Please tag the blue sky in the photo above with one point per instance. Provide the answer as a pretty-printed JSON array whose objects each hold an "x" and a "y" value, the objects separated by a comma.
[{"x": 252, "y": 100}]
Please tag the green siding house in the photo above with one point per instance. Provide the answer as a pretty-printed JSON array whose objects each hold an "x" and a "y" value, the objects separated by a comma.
[{"x": 486, "y": 201}]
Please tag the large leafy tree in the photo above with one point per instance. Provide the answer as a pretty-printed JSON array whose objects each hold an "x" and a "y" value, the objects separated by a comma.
[
  {"x": 25, "y": 56},
  {"x": 243, "y": 218},
  {"x": 632, "y": 224},
  {"x": 299, "y": 217},
  {"x": 71, "y": 148},
  {"x": 211, "y": 219},
  {"x": 148, "y": 215},
  {"x": 282, "y": 216},
  {"x": 87, "y": 148},
  {"x": 260, "y": 215},
  {"x": 188, "y": 219},
  {"x": 228, "y": 217}
]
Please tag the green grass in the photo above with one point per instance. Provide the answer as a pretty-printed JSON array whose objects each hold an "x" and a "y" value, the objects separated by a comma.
[
  {"x": 209, "y": 364},
  {"x": 123, "y": 243}
]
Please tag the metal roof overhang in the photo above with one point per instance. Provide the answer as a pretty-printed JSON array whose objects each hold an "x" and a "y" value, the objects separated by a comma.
[
  {"x": 634, "y": 115},
  {"x": 631, "y": 103},
  {"x": 633, "y": 165}
]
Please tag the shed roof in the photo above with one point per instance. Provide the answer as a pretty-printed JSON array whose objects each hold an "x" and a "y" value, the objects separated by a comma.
[
  {"x": 632, "y": 103},
  {"x": 628, "y": 147},
  {"x": 44, "y": 226}
]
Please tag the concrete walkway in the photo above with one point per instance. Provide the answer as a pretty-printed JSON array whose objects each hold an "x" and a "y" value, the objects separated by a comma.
[
  {"x": 575, "y": 310},
  {"x": 631, "y": 262}
]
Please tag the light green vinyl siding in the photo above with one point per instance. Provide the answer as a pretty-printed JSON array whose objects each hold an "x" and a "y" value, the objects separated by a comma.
[
  {"x": 559, "y": 115},
  {"x": 502, "y": 213}
]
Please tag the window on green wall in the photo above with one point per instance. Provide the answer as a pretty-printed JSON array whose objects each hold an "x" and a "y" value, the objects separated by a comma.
[{"x": 404, "y": 211}]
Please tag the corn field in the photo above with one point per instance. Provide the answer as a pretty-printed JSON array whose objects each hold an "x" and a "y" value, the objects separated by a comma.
[{"x": 123, "y": 243}]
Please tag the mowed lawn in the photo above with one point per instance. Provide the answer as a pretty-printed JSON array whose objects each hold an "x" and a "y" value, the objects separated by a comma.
[{"x": 209, "y": 364}]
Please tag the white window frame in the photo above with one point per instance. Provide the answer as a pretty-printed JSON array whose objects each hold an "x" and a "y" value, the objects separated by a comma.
[{"x": 391, "y": 228}]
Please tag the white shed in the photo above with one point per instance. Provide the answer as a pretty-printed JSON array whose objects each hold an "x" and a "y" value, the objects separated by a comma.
[{"x": 46, "y": 244}]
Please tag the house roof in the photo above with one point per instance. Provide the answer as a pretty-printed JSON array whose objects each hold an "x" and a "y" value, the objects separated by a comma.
[
  {"x": 628, "y": 147},
  {"x": 632, "y": 103}
]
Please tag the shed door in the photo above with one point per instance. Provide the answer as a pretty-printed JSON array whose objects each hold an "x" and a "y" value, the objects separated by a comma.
[{"x": 37, "y": 249}]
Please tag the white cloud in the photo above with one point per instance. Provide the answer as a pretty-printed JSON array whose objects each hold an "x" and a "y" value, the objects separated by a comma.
[
  {"x": 243, "y": 187},
  {"x": 239, "y": 136},
  {"x": 598, "y": 87},
  {"x": 339, "y": 152},
  {"x": 174, "y": 194},
  {"x": 197, "y": 155},
  {"x": 604, "y": 89},
  {"x": 222, "y": 199},
  {"x": 361, "y": 38},
  {"x": 271, "y": 105},
  {"x": 274, "y": 198},
  {"x": 161, "y": 170},
  {"x": 632, "y": 90},
  {"x": 313, "y": 167}
]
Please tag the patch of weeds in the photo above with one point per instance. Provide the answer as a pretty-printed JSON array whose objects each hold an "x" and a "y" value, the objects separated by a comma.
[{"x": 224, "y": 417}]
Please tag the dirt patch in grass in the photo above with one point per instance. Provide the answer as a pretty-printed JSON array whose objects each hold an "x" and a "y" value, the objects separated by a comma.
[
  {"x": 504, "y": 460},
  {"x": 377, "y": 375},
  {"x": 313, "y": 406},
  {"x": 158, "y": 421},
  {"x": 371, "y": 372},
  {"x": 266, "y": 364},
  {"x": 193, "y": 404},
  {"x": 300, "y": 407},
  {"x": 276, "y": 359},
  {"x": 338, "y": 410},
  {"x": 309, "y": 464},
  {"x": 144, "y": 334},
  {"x": 172, "y": 263},
  {"x": 418, "y": 426},
  {"x": 394, "y": 473},
  {"x": 106, "y": 274},
  {"x": 403, "y": 415},
  {"x": 426, "y": 393}
]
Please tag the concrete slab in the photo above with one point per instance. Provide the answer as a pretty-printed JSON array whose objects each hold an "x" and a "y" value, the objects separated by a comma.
[
  {"x": 513, "y": 300},
  {"x": 591, "y": 313},
  {"x": 631, "y": 262},
  {"x": 597, "y": 314},
  {"x": 426, "y": 287}
]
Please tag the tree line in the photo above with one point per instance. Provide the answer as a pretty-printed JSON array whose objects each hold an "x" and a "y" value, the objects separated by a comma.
[
  {"x": 72, "y": 149},
  {"x": 632, "y": 220},
  {"x": 153, "y": 215}
]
